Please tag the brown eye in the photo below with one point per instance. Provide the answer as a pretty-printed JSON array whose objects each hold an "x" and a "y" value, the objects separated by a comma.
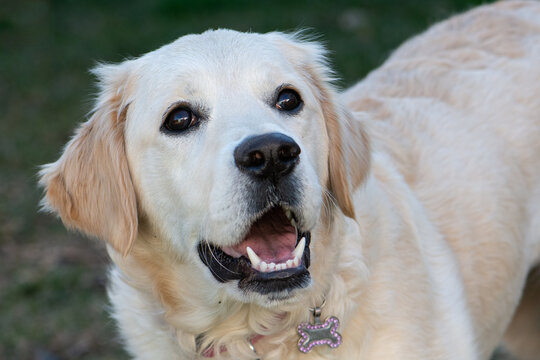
[
  {"x": 288, "y": 100},
  {"x": 180, "y": 119}
]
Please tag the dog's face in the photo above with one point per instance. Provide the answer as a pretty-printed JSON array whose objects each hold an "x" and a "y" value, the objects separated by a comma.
[
  {"x": 228, "y": 145},
  {"x": 228, "y": 151}
]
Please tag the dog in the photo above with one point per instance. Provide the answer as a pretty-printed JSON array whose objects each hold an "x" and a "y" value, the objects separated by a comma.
[{"x": 252, "y": 211}]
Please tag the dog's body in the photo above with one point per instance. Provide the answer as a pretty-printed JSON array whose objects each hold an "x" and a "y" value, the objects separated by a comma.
[{"x": 422, "y": 205}]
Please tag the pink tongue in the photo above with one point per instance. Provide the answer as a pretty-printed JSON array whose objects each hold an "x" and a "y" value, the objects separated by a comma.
[{"x": 272, "y": 237}]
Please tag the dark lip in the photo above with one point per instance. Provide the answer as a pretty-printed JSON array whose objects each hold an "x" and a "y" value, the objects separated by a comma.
[{"x": 226, "y": 268}]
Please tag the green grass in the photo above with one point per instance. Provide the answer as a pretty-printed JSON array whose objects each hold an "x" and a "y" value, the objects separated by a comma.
[{"x": 52, "y": 285}]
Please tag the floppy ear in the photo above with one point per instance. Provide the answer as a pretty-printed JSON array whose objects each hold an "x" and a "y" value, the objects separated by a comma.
[
  {"x": 349, "y": 153},
  {"x": 90, "y": 186}
]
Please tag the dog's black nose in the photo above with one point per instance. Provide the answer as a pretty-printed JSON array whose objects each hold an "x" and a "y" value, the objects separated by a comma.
[{"x": 268, "y": 156}]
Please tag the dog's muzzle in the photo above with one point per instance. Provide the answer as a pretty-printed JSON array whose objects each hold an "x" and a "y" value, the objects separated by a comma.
[{"x": 273, "y": 256}]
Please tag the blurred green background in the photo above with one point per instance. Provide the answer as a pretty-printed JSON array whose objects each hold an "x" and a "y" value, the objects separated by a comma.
[{"x": 52, "y": 283}]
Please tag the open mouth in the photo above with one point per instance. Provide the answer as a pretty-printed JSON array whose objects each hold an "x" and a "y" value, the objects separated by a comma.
[{"x": 273, "y": 256}]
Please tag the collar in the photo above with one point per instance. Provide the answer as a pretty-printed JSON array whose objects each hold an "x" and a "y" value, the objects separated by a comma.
[
  {"x": 331, "y": 336},
  {"x": 210, "y": 352}
]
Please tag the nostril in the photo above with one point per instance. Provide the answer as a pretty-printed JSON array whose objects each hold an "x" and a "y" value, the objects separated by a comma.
[
  {"x": 288, "y": 152},
  {"x": 255, "y": 159}
]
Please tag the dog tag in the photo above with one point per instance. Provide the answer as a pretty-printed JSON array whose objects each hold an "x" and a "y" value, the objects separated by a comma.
[{"x": 312, "y": 335}]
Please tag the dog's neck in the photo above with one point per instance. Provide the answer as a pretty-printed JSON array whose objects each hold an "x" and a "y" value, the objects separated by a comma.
[
  {"x": 312, "y": 335},
  {"x": 227, "y": 323}
]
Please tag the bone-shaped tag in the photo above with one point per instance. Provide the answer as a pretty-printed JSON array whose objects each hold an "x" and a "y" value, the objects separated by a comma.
[{"x": 319, "y": 334}]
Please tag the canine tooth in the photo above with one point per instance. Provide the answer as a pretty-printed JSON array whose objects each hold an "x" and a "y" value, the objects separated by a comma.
[
  {"x": 290, "y": 217},
  {"x": 296, "y": 261},
  {"x": 271, "y": 266},
  {"x": 299, "y": 250},
  {"x": 255, "y": 260},
  {"x": 264, "y": 266},
  {"x": 289, "y": 264},
  {"x": 289, "y": 214}
]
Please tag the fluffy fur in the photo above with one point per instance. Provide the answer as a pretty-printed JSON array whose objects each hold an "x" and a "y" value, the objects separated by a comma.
[{"x": 420, "y": 185}]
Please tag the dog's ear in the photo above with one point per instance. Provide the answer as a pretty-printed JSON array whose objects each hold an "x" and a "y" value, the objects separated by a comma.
[
  {"x": 349, "y": 153},
  {"x": 348, "y": 148},
  {"x": 90, "y": 186}
]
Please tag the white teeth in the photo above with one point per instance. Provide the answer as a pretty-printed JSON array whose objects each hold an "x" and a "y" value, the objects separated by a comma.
[
  {"x": 255, "y": 260},
  {"x": 262, "y": 266},
  {"x": 299, "y": 250}
]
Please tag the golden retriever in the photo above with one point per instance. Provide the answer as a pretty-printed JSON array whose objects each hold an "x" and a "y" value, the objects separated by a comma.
[{"x": 252, "y": 211}]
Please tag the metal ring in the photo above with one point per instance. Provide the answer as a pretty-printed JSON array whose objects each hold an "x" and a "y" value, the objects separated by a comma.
[
  {"x": 250, "y": 344},
  {"x": 318, "y": 307},
  {"x": 252, "y": 347}
]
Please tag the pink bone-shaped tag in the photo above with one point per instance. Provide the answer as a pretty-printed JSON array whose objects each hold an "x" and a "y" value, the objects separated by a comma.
[{"x": 319, "y": 334}]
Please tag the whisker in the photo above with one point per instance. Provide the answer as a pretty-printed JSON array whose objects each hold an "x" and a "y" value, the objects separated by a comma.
[
  {"x": 217, "y": 260},
  {"x": 209, "y": 248},
  {"x": 329, "y": 202}
]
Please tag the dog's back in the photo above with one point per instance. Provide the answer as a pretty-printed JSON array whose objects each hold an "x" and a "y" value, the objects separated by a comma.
[{"x": 458, "y": 110}]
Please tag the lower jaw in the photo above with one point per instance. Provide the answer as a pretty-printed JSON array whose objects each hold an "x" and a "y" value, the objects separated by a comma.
[{"x": 288, "y": 281}]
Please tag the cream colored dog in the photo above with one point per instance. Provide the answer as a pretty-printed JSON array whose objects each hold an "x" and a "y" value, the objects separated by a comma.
[{"x": 240, "y": 194}]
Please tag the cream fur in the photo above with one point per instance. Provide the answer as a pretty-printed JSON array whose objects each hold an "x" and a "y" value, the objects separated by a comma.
[{"x": 421, "y": 185}]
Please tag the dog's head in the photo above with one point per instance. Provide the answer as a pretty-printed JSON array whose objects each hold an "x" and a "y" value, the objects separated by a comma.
[{"x": 230, "y": 147}]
